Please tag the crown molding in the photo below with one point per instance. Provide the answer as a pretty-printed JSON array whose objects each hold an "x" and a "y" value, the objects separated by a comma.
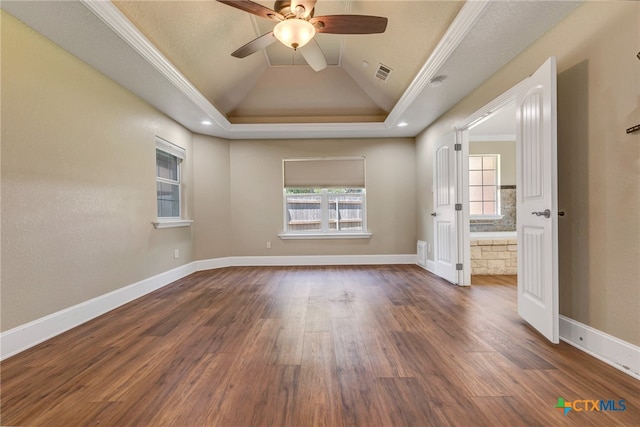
[
  {"x": 119, "y": 24},
  {"x": 455, "y": 34}
]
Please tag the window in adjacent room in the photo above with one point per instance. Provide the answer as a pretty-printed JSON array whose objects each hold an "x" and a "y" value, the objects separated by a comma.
[
  {"x": 483, "y": 185},
  {"x": 169, "y": 158},
  {"x": 324, "y": 197}
]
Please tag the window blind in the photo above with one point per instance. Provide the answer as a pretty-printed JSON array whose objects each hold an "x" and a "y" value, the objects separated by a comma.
[{"x": 324, "y": 173}]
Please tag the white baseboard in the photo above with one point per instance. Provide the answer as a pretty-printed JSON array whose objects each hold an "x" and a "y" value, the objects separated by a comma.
[
  {"x": 430, "y": 266},
  {"x": 323, "y": 260},
  {"x": 30, "y": 334},
  {"x": 611, "y": 350},
  {"x": 260, "y": 261},
  {"x": 211, "y": 264}
]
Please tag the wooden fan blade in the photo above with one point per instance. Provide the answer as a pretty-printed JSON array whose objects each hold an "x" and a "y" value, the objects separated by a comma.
[
  {"x": 312, "y": 53},
  {"x": 307, "y": 4},
  {"x": 349, "y": 24},
  {"x": 254, "y": 8},
  {"x": 255, "y": 45}
]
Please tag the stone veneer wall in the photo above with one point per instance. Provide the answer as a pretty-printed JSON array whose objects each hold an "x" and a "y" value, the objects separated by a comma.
[
  {"x": 507, "y": 209},
  {"x": 494, "y": 256}
]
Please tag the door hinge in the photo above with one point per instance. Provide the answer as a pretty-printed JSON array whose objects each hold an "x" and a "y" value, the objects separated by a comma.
[
  {"x": 458, "y": 267},
  {"x": 457, "y": 147},
  {"x": 458, "y": 206}
]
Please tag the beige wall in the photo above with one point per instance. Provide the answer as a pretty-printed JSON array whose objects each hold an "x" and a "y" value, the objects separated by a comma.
[
  {"x": 238, "y": 197},
  {"x": 212, "y": 186},
  {"x": 598, "y": 163},
  {"x": 507, "y": 152},
  {"x": 78, "y": 181},
  {"x": 256, "y": 196}
]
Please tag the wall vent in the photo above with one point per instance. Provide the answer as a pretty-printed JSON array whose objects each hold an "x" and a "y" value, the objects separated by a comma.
[
  {"x": 421, "y": 256},
  {"x": 383, "y": 72}
]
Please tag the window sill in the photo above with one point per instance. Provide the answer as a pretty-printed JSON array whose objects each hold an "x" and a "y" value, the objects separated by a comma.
[
  {"x": 171, "y": 223},
  {"x": 312, "y": 236},
  {"x": 486, "y": 217}
]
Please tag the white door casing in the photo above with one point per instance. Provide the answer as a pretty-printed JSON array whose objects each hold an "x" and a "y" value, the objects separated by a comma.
[
  {"x": 445, "y": 233},
  {"x": 537, "y": 205}
]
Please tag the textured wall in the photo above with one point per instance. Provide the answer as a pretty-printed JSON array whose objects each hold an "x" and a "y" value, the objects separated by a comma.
[
  {"x": 78, "y": 181},
  {"x": 212, "y": 226}
]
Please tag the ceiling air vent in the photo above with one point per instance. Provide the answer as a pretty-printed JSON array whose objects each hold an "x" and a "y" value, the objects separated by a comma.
[{"x": 383, "y": 72}]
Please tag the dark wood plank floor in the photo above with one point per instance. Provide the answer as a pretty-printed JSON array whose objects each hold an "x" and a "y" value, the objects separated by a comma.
[{"x": 311, "y": 346}]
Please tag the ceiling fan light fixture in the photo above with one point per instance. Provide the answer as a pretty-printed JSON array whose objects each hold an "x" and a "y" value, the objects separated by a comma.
[{"x": 294, "y": 33}]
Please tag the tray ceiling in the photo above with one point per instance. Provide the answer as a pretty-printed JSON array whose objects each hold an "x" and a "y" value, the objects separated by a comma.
[{"x": 177, "y": 56}]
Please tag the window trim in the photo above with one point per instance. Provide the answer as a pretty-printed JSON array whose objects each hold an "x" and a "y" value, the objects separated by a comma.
[
  {"x": 179, "y": 153},
  {"x": 171, "y": 223},
  {"x": 316, "y": 235},
  {"x": 329, "y": 234}
]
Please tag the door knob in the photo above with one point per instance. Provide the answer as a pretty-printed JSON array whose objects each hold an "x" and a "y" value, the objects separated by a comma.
[
  {"x": 546, "y": 213},
  {"x": 433, "y": 214}
]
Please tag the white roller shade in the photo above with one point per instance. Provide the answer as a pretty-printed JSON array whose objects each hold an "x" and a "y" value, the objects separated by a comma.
[{"x": 325, "y": 173}]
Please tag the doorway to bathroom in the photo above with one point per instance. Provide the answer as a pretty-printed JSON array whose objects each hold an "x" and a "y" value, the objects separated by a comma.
[
  {"x": 536, "y": 201},
  {"x": 491, "y": 165},
  {"x": 536, "y": 195}
]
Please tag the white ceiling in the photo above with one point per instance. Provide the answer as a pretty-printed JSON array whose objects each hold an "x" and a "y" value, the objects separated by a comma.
[
  {"x": 498, "y": 126},
  {"x": 176, "y": 56}
]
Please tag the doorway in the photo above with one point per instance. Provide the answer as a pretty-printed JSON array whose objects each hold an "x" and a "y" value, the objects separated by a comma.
[
  {"x": 537, "y": 197},
  {"x": 491, "y": 165}
]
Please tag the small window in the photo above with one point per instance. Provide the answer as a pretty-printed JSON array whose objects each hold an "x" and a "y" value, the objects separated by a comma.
[
  {"x": 168, "y": 180},
  {"x": 483, "y": 185}
]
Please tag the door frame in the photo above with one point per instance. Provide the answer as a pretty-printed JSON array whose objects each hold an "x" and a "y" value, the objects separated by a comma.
[{"x": 462, "y": 138}]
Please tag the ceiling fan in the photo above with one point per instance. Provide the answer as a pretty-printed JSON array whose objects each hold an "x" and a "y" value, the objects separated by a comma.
[{"x": 296, "y": 26}]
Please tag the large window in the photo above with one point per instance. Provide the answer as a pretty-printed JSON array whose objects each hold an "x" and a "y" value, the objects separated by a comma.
[
  {"x": 168, "y": 160},
  {"x": 483, "y": 185},
  {"x": 324, "y": 209},
  {"x": 324, "y": 197}
]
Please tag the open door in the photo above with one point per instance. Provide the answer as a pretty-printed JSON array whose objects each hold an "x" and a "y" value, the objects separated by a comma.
[
  {"x": 445, "y": 233},
  {"x": 537, "y": 206}
]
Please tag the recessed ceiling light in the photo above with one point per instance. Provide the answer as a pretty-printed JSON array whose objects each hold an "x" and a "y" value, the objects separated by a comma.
[
  {"x": 206, "y": 123},
  {"x": 402, "y": 124},
  {"x": 436, "y": 81}
]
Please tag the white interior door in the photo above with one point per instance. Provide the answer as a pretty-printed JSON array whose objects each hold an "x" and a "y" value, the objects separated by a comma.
[
  {"x": 538, "y": 200},
  {"x": 445, "y": 234}
]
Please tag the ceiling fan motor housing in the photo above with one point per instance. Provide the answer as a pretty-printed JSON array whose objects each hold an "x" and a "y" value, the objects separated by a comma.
[{"x": 283, "y": 7}]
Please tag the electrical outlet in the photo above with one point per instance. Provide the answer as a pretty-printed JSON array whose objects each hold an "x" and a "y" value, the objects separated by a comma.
[
  {"x": 268, "y": 245},
  {"x": 429, "y": 247},
  {"x": 176, "y": 253}
]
